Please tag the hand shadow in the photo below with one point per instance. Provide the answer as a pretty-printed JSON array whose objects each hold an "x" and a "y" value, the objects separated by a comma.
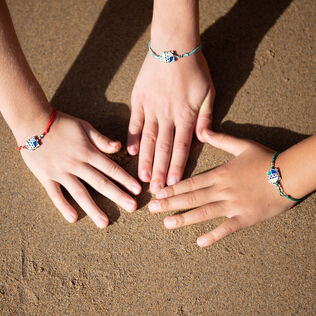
[
  {"x": 229, "y": 46},
  {"x": 82, "y": 91}
]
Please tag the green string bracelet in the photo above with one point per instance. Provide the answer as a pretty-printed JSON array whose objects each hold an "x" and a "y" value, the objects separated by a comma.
[
  {"x": 170, "y": 56},
  {"x": 275, "y": 178}
]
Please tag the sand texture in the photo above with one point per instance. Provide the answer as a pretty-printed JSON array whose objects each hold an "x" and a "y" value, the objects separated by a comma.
[{"x": 86, "y": 55}]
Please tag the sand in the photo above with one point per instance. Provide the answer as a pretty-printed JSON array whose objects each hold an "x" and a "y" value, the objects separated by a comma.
[{"x": 86, "y": 55}]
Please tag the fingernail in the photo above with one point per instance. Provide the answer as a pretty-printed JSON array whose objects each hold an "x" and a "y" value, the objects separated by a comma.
[
  {"x": 115, "y": 144},
  {"x": 202, "y": 242},
  {"x": 172, "y": 180},
  {"x": 154, "y": 206},
  {"x": 130, "y": 206},
  {"x": 71, "y": 218},
  {"x": 161, "y": 194},
  {"x": 209, "y": 132},
  {"x": 101, "y": 221},
  {"x": 170, "y": 222},
  {"x": 155, "y": 187},
  {"x": 136, "y": 189},
  {"x": 145, "y": 176},
  {"x": 132, "y": 150}
]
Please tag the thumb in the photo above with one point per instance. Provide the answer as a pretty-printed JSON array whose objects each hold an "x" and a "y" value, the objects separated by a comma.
[
  {"x": 231, "y": 144},
  {"x": 102, "y": 142},
  {"x": 204, "y": 119}
]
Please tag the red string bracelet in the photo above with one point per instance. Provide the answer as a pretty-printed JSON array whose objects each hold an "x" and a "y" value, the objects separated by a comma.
[{"x": 36, "y": 141}]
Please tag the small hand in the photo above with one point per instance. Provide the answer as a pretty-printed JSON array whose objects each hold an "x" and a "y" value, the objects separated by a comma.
[
  {"x": 169, "y": 101},
  {"x": 73, "y": 149},
  {"x": 238, "y": 190}
]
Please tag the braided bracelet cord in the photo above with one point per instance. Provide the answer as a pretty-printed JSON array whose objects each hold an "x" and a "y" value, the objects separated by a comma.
[
  {"x": 170, "y": 56},
  {"x": 35, "y": 141},
  {"x": 274, "y": 178}
]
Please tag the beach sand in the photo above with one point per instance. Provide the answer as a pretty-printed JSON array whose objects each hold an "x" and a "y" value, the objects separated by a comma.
[{"x": 86, "y": 55}]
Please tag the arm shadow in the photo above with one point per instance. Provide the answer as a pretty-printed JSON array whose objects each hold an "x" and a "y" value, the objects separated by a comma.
[
  {"x": 82, "y": 91},
  {"x": 229, "y": 46}
]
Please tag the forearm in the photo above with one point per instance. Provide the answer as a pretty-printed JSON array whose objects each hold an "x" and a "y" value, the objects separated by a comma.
[
  {"x": 175, "y": 25},
  {"x": 298, "y": 168},
  {"x": 23, "y": 103}
]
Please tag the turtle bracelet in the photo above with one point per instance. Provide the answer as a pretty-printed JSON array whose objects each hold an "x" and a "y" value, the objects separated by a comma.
[
  {"x": 170, "y": 56},
  {"x": 36, "y": 141},
  {"x": 274, "y": 177}
]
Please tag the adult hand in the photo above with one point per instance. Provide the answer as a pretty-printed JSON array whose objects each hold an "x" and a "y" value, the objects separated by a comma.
[
  {"x": 238, "y": 190},
  {"x": 73, "y": 150},
  {"x": 169, "y": 101}
]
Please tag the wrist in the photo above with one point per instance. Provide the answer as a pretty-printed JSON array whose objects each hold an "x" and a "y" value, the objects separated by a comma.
[
  {"x": 32, "y": 123},
  {"x": 297, "y": 168},
  {"x": 169, "y": 31}
]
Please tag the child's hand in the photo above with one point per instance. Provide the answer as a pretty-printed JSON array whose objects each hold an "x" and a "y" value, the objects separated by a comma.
[
  {"x": 238, "y": 190},
  {"x": 71, "y": 150},
  {"x": 169, "y": 101}
]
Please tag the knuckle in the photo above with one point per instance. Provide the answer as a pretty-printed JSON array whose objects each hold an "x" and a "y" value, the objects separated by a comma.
[
  {"x": 101, "y": 185},
  {"x": 136, "y": 124},
  {"x": 53, "y": 195},
  {"x": 181, "y": 145},
  {"x": 113, "y": 169},
  {"x": 204, "y": 212},
  {"x": 164, "y": 204},
  {"x": 80, "y": 195},
  {"x": 187, "y": 115},
  {"x": 191, "y": 198},
  {"x": 190, "y": 182},
  {"x": 227, "y": 230},
  {"x": 226, "y": 193},
  {"x": 164, "y": 147},
  {"x": 169, "y": 190},
  {"x": 180, "y": 220},
  {"x": 158, "y": 175},
  {"x": 83, "y": 153},
  {"x": 149, "y": 137}
]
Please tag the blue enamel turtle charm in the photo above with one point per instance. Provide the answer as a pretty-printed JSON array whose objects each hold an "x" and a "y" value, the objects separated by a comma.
[{"x": 273, "y": 176}]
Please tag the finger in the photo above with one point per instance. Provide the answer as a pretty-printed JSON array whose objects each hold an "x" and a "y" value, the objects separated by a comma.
[
  {"x": 146, "y": 152},
  {"x": 180, "y": 153},
  {"x": 134, "y": 130},
  {"x": 81, "y": 195},
  {"x": 191, "y": 184},
  {"x": 162, "y": 157},
  {"x": 102, "y": 142},
  {"x": 54, "y": 192},
  {"x": 204, "y": 119},
  {"x": 231, "y": 144},
  {"x": 201, "y": 214},
  {"x": 228, "y": 227},
  {"x": 114, "y": 171},
  {"x": 186, "y": 200},
  {"x": 104, "y": 186}
]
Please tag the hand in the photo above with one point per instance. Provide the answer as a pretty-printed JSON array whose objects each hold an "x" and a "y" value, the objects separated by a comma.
[
  {"x": 73, "y": 149},
  {"x": 169, "y": 101},
  {"x": 238, "y": 190}
]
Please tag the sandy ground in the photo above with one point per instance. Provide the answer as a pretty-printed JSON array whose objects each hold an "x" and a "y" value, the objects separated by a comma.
[{"x": 86, "y": 55}]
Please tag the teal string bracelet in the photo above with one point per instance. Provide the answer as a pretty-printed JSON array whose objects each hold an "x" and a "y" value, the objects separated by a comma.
[
  {"x": 170, "y": 56},
  {"x": 275, "y": 178}
]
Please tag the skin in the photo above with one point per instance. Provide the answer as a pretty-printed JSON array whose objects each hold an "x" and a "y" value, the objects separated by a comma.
[
  {"x": 72, "y": 149},
  {"x": 170, "y": 101},
  {"x": 239, "y": 190}
]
